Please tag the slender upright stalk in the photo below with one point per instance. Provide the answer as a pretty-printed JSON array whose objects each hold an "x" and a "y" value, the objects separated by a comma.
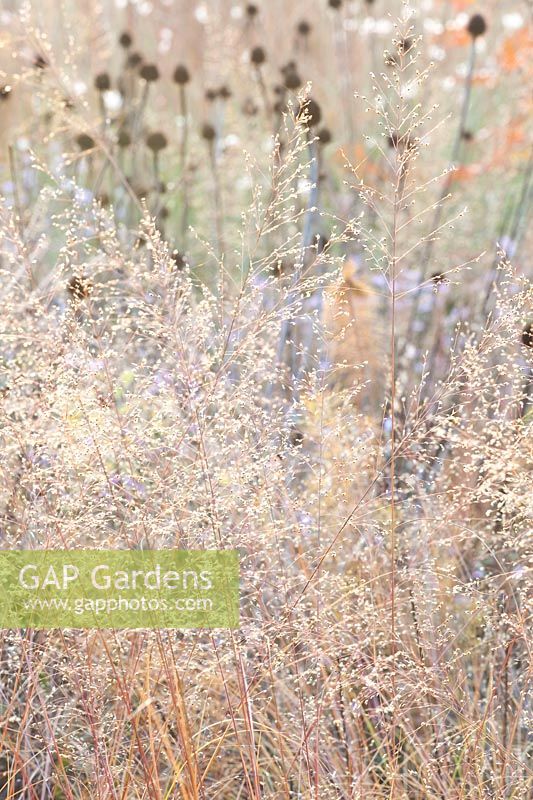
[
  {"x": 16, "y": 194},
  {"x": 183, "y": 167},
  {"x": 307, "y": 235},
  {"x": 430, "y": 242},
  {"x": 217, "y": 194},
  {"x": 264, "y": 91}
]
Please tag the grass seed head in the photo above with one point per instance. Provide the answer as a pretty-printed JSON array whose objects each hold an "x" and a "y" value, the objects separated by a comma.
[{"x": 79, "y": 287}]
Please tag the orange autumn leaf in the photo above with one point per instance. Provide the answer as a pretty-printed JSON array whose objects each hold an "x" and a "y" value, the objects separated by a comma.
[
  {"x": 461, "y": 5},
  {"x": 484, "y": 78},
  {"x": 512, "y": 148},
  {"x": 514, "y": 135},
  {"x": 456, "y": 37},
  {"x": 465, "y": 172},
  {"x": 517, "y": 50}
]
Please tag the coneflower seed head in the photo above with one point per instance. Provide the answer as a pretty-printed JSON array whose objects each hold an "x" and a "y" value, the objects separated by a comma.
[
  {"x": 208, "y": 132},
  {"x": 124, "y": 139},
  {"x": 292, "y": 79},
  {"x": 134, "y": 59},
  {"x": 156, "y": 141},
  {"x": 149, "y": 73},
  {"x": 181, "y": 75},
  {"x": 125, "y": 40},
  {"x": 258, "y": 56},
  {"x": 102, "y": 82},
  {"x": 527, "y": 335},
  {"x": 476, "y": 26},
  {"x": 85, "y": 142},
  {"x": 312, "y": 111}
]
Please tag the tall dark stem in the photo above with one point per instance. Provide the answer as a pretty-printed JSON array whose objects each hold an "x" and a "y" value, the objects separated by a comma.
[
  {"x": 454, "y": 157},
  {"x": 183, "y": 167}
]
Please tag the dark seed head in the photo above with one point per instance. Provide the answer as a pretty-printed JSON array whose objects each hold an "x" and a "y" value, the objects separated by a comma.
[
  {"x": 179, "y": 260},
  {"x": 39, "y": 62},
  {"x": 258, "y": 56},
  {"x": 124, "y": 139},
  {"x": 476, "y": 26},
  {"x": 292, "y": 80},
  {"x": 5, "y": 92},
  {"x": 102, "y": 82},
  {"x": 401, "y": 142},
  {"x": 467, "y": 135},
  {"x": 322, "y": 243},
  {"x": 134, "y": 59},
  {"x": 527, "y": 335},
  {"x": 404, "y": 45},
  {"x": 251, "y": 10},
  {"x": 125, "y": 40},
  {"x": 304, "y": 28},
  {"x": 224, "y": 92},
  {"x": 156, "y": 141},
  {"x": 249, "y": 107},
  {"x": 324, "y": 136},
  {"x": 208, "y": 132},
  {"x": 103, "y": 199},
  {"x": 149, "y": 73},
  {"x": 181, "y": 75},
  {"x": 164, "y": 213},
  {"x": 85, "y": 142},
  {"x": 211, "y": 95},
  {"x": 289, "y": 66},
  {"x": 335, "y": 3},
  {"x": 312, "y": 111},
  {"x": 79, "y": 287},
  {"x": 296, "y": 437}
]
